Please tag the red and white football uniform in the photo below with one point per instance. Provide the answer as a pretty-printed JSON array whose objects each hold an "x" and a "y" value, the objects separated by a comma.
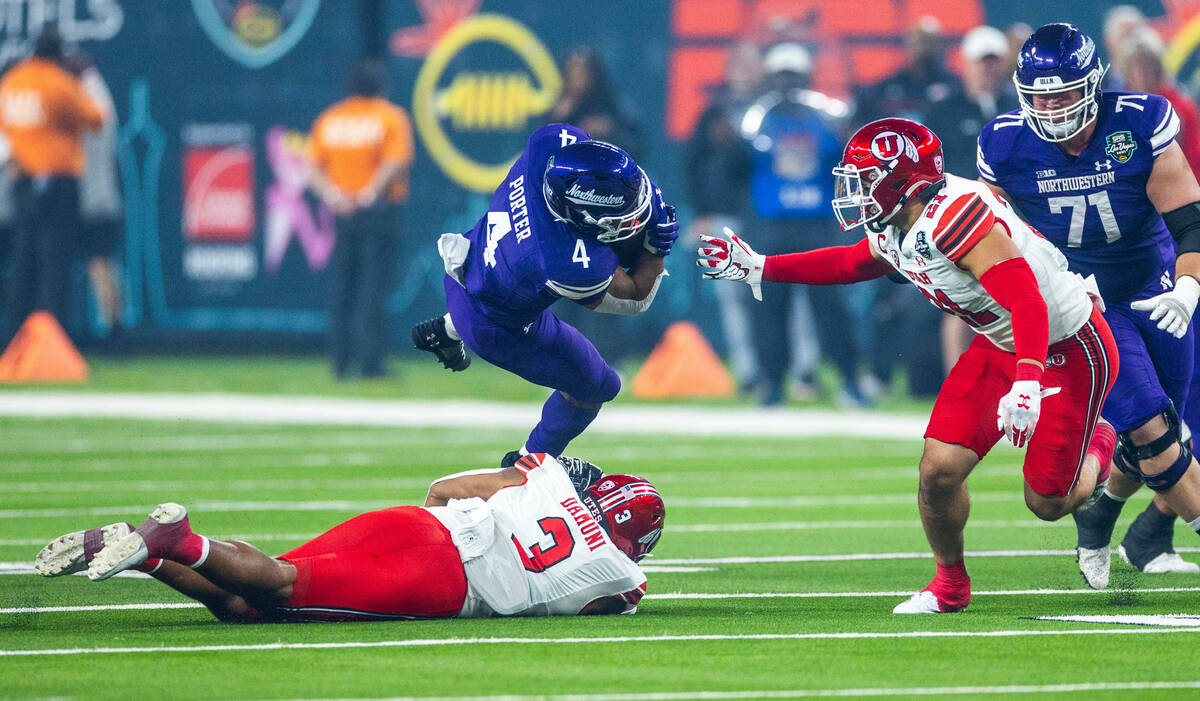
[
  {"x": 1081, "y": 359},
  {"x": 549, "y": 555},
  {"x": 530, "y": 550},
  {"x": 952, "y": 223}
]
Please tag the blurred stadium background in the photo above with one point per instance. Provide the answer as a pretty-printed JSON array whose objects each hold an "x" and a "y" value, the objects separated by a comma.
[{"x": 219, "y": 247}]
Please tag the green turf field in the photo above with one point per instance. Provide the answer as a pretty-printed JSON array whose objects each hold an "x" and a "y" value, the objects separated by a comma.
[{"x": 752, "y": 518}]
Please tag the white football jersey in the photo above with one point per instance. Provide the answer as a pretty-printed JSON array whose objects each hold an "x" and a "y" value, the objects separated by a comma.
[
  {"x": 549, "y": 555},
  {"x": 952, "y": 223}
]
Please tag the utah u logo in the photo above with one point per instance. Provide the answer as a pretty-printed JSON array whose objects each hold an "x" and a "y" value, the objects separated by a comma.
[{"x": 887, "y": 145}]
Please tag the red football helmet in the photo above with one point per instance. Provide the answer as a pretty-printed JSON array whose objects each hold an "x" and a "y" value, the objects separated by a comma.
[
  {"x": 630, "y": 509},
  {"x": 885, "y": 164}
]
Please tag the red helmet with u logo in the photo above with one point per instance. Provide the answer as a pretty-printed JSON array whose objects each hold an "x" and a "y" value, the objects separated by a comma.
[
  {"x": 885, "y": 164},
  {"x": 630, "y": 509}
]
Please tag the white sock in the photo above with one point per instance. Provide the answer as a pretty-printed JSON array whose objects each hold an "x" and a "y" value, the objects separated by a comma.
[
  {"x": 450, "y": 330},
  {"x": 1194, "y": 525},
  {"x": 1112, "y": 496},
  {"x": 203, "y": 553}
]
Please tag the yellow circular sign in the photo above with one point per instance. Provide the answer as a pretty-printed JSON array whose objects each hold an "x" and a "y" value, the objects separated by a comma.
[{"x": 481, "y": 99}]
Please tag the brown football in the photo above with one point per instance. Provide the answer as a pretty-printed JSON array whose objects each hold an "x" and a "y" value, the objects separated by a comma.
[{"x": 628, "y": 250}]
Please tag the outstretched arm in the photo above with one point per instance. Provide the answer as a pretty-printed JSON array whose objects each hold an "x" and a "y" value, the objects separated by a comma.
[{"x": 731, "y": 258}]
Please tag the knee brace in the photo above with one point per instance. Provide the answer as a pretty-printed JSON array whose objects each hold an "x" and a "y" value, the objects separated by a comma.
[{"x": 1128, "y": 456}]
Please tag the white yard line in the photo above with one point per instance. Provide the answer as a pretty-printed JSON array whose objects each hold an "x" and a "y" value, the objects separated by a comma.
[
  {"x": 445, "y": 642},
  {"x": 797, "y": 502},
  {"x": 818, "y": 693},
  {"x": 851, "y": 557},
  {"x": 673, "y": 596},
  {"x": 620, "y": 419}
]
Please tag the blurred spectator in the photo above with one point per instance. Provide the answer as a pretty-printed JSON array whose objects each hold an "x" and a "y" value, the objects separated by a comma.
[
  {"x": 795, "y": 135},
  {"x": 897, "y": 315},
  {"x": 1142, "y": 67},
  {"x": 1120, "y": 22},
  {"x": 100, "y": 204},
  {"x": 1016, "y": 34},
  {"x": 987, "y": 91},
  {"x": 589, "y": 102},
  {"x": 924, "y": 81},
  {"x": 44, "y": 112},
  {"x": 361, "y": 149},
  {"x": 717, "y": 174}
]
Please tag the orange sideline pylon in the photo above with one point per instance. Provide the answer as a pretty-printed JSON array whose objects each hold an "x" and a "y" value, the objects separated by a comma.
[
  {"x": 683, "y": 364},
  {"x": 41, "y": 352}
]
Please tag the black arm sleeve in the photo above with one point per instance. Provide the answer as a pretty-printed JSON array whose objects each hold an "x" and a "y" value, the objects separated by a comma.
[{"x": 1184, "y": 225}]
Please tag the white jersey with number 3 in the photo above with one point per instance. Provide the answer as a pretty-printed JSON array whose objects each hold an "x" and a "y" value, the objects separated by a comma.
[
  {"x": 549, "y": 556},
  {"x": 956, "y": 219}
]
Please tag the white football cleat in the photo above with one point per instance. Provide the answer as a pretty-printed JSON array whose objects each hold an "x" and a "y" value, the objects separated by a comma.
[
  {"x": 165, "y": 523},
  {"x": 70, "y": 553},
  {"x": 1094, "y": 565},
  {"x": 921, "y": 602},
  {"x": 1163, "y": 563}
]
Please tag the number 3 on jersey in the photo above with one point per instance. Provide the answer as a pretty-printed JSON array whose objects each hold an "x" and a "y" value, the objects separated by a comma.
[{"x": 536, "y": 559}]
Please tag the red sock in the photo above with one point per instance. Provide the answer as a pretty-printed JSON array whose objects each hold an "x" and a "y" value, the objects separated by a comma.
[
  {"x": 951, "y": 586},
  {"x": 1104, "y": 442},
  {"x": 149, "y": 565}
]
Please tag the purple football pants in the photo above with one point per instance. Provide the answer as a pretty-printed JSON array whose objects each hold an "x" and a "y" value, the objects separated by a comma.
[
  {"x": 547, "y": 352},
  {"x": 1155, "y": 367}
]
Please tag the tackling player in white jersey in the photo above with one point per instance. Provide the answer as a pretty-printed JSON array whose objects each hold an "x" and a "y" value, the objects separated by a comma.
[
  {"x": 517, "y": 541},
  {"x": 1041, "y": 339}
]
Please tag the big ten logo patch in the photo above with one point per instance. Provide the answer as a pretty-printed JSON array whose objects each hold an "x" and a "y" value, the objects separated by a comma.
[{"x": 488, "y": 76}]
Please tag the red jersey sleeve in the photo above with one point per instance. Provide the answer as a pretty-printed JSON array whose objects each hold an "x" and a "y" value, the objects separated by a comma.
[{"x": 962, "y": 225}]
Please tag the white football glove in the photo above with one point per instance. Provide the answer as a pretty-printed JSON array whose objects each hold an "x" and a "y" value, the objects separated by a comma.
[
  {"x": 1019, "y": 410},
  {"x": 1173, "y": 309},
  {"x": 731, "y": 259}
]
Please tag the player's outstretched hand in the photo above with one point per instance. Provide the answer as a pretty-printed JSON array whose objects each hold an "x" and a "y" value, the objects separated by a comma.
[
  {"x": 730, "y": 258},
  {"x": 661, "y": 234},
  {"x": 1173, "y": 309},
  {"x": 1019, "y": 410}
]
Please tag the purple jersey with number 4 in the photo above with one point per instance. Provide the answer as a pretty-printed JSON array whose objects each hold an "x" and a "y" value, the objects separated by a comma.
[
  {"x": 522, "y": 260},
  {"x": 1094, "y": 208}
]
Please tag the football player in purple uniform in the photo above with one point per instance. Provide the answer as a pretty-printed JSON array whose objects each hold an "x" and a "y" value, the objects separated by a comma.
[
  {"x": 1099, "y": 174},
  {"x": 568, "y": 219}
]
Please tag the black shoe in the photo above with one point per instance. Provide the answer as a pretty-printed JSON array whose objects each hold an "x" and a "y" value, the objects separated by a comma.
[
  {"x": 1150, "y": 535},
  {"x": 431, "y": 336},
  {"x": 510, "y": 458}
]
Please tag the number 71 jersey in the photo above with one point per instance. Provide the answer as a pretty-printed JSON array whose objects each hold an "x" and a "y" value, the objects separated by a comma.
[
  {"x": 1092, "y": 207},
  {"x": 958, "y": 217}
]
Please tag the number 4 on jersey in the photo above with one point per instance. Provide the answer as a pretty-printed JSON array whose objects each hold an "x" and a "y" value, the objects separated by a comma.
[
  {"x": 498, "y": 226},
  {"x": 580, "y": 255}
]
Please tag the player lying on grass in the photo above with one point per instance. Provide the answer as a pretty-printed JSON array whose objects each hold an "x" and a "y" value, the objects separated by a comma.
[
  {"x": 529, "y": 540},
  {"x": 1041, "y": 339}
]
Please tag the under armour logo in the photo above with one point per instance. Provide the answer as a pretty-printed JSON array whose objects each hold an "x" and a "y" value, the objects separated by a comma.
[
  {"x": 525, "y": 329},
  {"x": 1103, "y": 165},
  {"x": 1023, "y": 401}
]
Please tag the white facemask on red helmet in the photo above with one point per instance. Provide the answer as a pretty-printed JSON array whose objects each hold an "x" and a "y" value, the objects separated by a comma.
[
  {"x": 885, "y": 164},
  {"x": 630, "y": 509}
]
